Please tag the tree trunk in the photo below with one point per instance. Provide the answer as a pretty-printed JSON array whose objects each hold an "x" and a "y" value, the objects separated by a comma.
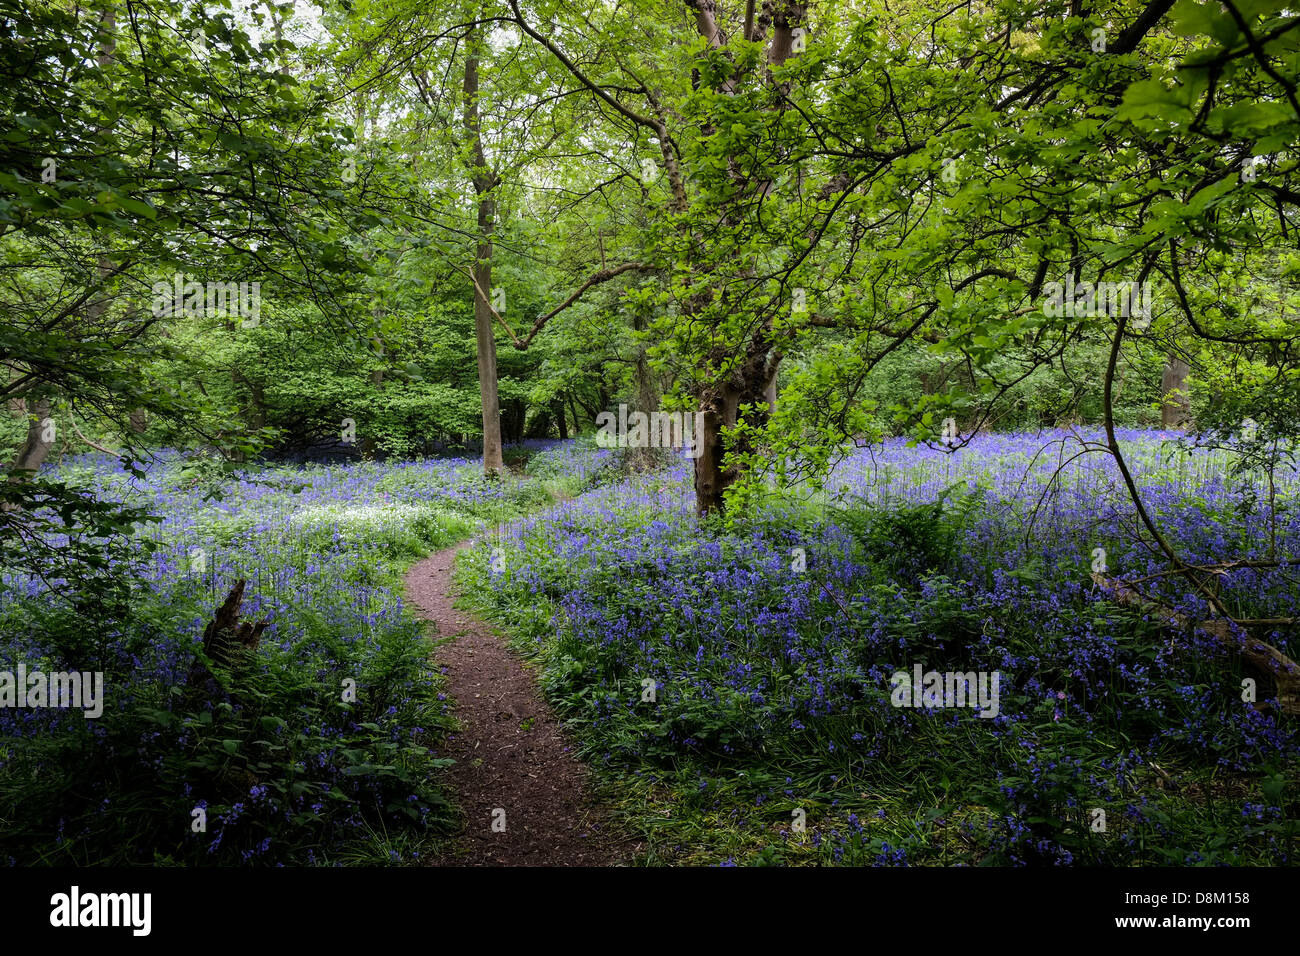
[
  {"x": 769, "y": 393},
  {"x": 647, "y": 398},
  {"x": 753, "y": 383},
  {"x": 1175, "y": 409},
  {"x": 557, "y": 409},
  {"x": 493, "y": 462},
  {"x": 35, "y": 448},
  {"x": 711, "y": 479},
  {"x": 17, "y": 404},
  {"x": 577, "y": 422},
  {"x": 484, "y": 182}
]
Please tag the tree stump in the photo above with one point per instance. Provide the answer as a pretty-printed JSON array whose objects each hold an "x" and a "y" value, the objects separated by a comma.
[{"x": 227, "y": 641}]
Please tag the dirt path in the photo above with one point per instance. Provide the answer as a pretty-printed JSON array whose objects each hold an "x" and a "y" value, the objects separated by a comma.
[{"x": 511, "y": 752}]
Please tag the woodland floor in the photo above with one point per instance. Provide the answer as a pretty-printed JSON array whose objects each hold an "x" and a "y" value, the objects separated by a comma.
[{"x": 511, "y": 751}]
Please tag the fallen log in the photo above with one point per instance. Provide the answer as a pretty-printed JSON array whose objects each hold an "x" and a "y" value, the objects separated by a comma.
[{"x": 1263, "y": 659}]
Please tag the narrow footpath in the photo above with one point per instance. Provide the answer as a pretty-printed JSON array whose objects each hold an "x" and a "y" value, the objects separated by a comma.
[{"x": 525, "y": 794}]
